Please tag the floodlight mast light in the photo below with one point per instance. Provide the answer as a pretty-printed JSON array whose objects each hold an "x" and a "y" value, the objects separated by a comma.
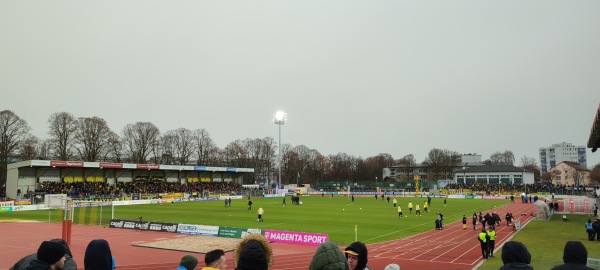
[{"x": 280, "y": 118}]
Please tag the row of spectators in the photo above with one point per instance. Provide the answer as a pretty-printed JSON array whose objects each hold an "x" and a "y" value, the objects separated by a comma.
[
  {"x": 529, "y": 188},
  {"x": 86, "y": 189},
  {"x": 479, "y": 186}
]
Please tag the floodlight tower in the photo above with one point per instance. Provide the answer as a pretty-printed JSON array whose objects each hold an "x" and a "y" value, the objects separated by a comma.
[{"x": 280, "y": 118}]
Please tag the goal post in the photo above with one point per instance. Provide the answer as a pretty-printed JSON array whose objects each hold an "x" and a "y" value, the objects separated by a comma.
[{"x": 64, "y": 203}]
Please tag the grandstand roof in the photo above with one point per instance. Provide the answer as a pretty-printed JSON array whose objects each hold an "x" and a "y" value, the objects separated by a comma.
[
  {"x": 594, "y": 141},
  {"x": 491, "y": 168},
  {"x": 107, "y": 165}
]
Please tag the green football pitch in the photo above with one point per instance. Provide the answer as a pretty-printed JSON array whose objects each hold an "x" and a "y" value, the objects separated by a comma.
[{"x": 374, "y": 220}]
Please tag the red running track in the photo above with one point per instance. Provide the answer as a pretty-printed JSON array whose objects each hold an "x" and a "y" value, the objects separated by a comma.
[{"x": 450, "y": 248}]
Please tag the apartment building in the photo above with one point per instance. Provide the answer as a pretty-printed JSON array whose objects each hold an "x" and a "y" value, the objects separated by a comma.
[{"x": 557, "y": 153}]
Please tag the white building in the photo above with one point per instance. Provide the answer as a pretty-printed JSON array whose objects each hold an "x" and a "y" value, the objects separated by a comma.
[
  {"x": 407, "y": 173},
  {"x": 494, "y": 174},
  {"x": 557, "y": 153},
  {"x": 470, "y": 160}
]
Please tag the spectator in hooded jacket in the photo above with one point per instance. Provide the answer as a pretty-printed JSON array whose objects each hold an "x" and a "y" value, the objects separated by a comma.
[
  {"x": 328, "y": 256},
  {"x": 70, "y": 264},
  {"x": 98, "y": 256},
  {"x": 253, "y": 253},
  {"x": 357, "y": 256},
  {"x": 50, "y": 255},
  {"x": 574, "y": 256},
  {"x": 515, "y": 256}
]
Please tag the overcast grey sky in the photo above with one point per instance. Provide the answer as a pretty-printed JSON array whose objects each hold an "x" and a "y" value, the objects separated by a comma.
[{"x": 359, "y": 77}]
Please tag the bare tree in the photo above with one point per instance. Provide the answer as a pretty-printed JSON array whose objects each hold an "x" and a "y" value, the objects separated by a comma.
[
  {"x": 204, "y": 146},
  {"x": 28, "y": 148},
  {"x": 115, "y": 149},
  {"x": 214, "y": 157},
  {"x": 441, "y": 163},
  {"x": 407, "y": 161},
  {"x": 44, "y": 149},
  {"x": 164, "y": 150},
  {"x": 503, "y": 158},
  {"x": 62, "y": 126},
  {"x": 286, "y": 163},
  {"x": 180, "y": 144},
  {"x": 139, "y": 139},
  {"x": 260, "y": 153},
  {"x": 218, "y": 157},
  {"x": 373, "y": 166},
  {"x": 236, "y": 154},
  {"x": 92, "y": 137},
  {"x": 315, "y": 167},
  {"x": 13, "y": 133},
  {"x": 341, "y": 167},
  {"x": 299, "y": 161},
  {"x": 530, "y": 164}
]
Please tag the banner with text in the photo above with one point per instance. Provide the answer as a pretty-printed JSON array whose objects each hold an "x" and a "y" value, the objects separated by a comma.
[
  {"x": 487, "y": 197},
  {"x": 162, "y": 227},
  {"x": 301, "y": 238},
  {"x": 198, "y": 229},
  {"x": 239, "y": 233},
  {"x": 124, "y": 224}
]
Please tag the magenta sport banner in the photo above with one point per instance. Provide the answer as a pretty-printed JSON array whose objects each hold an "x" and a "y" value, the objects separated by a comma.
[{"x": 301, "y": 238}]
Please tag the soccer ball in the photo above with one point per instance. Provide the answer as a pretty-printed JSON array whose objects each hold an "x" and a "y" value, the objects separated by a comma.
[
  {"x": 405, "y": 216},
  {"x": 300, "y": 202},
  {"x": 257, "y": 219}
]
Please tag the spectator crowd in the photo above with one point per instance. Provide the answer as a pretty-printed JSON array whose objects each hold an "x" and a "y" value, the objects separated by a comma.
[
  {"x": 254, "y": 252},
  {"x": 105, "y": 190}
]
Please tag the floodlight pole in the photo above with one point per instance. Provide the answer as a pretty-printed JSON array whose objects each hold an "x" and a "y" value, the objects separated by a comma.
[
  {"x": 280, "y": 118},
  {"x": 279, "y": 158}
]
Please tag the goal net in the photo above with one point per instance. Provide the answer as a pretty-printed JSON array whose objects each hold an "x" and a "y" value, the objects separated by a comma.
[
  {"x": 55, "y": 201},
  {"x": 92, "y": 212},
  {"x": 65, "y": 206}
]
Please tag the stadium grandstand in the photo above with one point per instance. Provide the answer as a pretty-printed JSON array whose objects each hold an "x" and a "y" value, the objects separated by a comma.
[{"x": 32, "y": 179}]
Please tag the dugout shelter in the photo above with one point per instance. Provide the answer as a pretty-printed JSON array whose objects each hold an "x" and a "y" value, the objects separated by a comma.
[{"x": 26, "y": 175}]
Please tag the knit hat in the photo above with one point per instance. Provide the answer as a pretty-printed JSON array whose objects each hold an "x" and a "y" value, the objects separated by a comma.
[
  {"x": 189, "y": 262},
  {"x": 515, "y": 252},
  {"x": 328, "y": 256},
  {"x": 392, "y": 266},
  {"x": 50, "y": 252}
]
